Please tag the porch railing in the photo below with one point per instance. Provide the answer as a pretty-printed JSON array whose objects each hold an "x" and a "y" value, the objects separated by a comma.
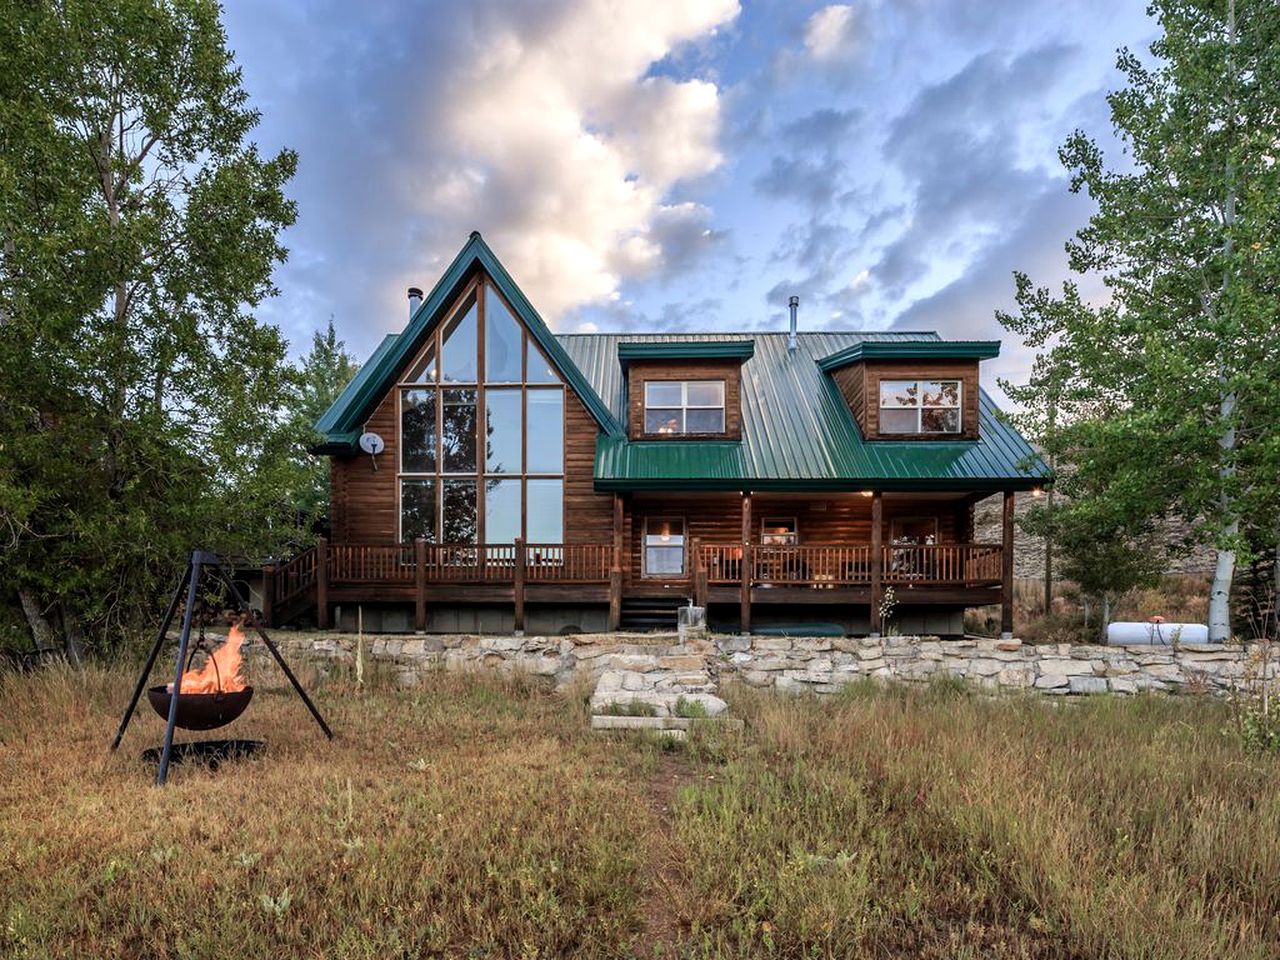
[{"x": 824, "y": 565}]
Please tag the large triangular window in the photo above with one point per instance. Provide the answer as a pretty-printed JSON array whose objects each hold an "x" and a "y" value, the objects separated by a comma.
[{"x": 482, "y": 420}]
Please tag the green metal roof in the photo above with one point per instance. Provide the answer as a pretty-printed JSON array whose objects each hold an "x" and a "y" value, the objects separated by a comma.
[
  {"x": 342, "y": 423},
  {"x": 798, "y": 432},
  {"x": 339, "y": 435},
  {"x": 686, "y": 350},
  {"x": 912, "y": 350}
]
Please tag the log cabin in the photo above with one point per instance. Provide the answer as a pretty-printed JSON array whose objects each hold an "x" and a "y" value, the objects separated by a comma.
[{"x": 489, "y": 475}]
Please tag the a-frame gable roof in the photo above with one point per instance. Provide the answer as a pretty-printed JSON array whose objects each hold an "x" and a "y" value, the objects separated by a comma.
[{"x": 341, "y": 424}]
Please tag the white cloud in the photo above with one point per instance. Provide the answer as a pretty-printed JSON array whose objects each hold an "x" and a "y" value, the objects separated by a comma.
[
  {"x": 833, "y": 32},
  {"x": 556, "y": 141}
]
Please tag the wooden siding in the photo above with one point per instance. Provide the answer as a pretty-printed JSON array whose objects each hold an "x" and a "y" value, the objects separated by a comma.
[
  {"x": 717, "y": 518},
  {"x": 641, "y": 372},
  {"x": 364, "y": 500},
  {"x": 852, "y": 383},
  {"x": 588, "y": 514}
]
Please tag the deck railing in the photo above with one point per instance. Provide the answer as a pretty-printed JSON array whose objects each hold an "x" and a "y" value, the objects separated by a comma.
[
  {"x": 828, "y": 565},
  {"x": 568, "y": 562},
  {"x": 370, "y": 563}
]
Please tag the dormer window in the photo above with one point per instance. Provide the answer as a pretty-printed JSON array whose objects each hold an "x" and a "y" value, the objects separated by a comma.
[
  {"x": 920, "y": 406},
  {"x": 676, "y": 407}
]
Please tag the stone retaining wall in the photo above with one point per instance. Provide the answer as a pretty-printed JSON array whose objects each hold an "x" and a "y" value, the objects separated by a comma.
[
  {"x": 800, "y": 664},
  {"x": 825, "y": 665}
]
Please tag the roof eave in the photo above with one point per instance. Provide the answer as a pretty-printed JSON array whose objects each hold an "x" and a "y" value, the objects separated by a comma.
[
  {"x": 911, "y": 350},
  {"x": 355, "y": 405},
  {"x": 740, "y": 350}
]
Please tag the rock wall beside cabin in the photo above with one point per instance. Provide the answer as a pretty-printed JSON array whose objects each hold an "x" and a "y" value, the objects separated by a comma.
[{"x": 795, "y": 664}]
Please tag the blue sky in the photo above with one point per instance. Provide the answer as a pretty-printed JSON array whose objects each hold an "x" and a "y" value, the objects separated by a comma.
[{"x": 682, "y": 165}]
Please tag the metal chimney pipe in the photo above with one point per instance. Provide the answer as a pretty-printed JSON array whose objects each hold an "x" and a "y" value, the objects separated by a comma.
[
  {"x": 415, "y": 301},
  {"x": 794, "y": 304}
]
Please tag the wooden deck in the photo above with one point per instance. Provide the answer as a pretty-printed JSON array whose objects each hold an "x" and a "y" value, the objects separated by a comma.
[{"x": 958, "y": 574}]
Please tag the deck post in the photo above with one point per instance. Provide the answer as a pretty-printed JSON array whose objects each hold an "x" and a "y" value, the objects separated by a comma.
[
  {"x": 877, "y": 561},
  {"x": 744, "y": 597},
  {"x": 322, "y": 583},
  {"x": 699, "y": 575},
  {"x": 268, "y": 592},
  {"x": 420, "y": 585},
  {"x": 1006, "y": 570},
  {"x": 615, "y": 567},
  {"x": 518, "y": 584}
]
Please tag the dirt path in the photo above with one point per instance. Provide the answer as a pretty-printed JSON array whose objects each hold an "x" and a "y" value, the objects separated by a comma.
[{"x": 660, "y": 906}]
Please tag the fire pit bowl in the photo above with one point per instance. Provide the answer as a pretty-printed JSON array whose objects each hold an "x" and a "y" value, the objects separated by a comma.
[{"x": 201, "y": 711}]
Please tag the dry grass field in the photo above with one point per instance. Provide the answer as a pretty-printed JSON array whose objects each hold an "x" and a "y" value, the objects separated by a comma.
[{"x": 481, "y": 818}]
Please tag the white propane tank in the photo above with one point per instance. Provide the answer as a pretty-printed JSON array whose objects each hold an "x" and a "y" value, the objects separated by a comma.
[{"x": 1160, "y": 634}]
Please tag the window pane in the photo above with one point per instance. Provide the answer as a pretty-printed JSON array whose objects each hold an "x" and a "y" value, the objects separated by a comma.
[
  {"x": 663, "y": 421},
  {"x": 458, "y": 347},
  {"x": 704, "y": 421},
  {"x": 663, "y": 533},
  {"x": 707, "y": 393},
  {"x": 425, "y": 370},
  {"x": 418, "y": 509},
  {"x": 459, "y": 438},
  {"x": 501, "y": 511},
  {"x": 502, "y": 431},
  {"x": 546, "y": 431},
  {"x": 545, "y": 511},
  {"x": 897, "y": 421},
  {"x": 899, "y": 393},
  {"x": 418, "y": 431},
  {"x": 662, "y": 394},
  {"x": 539, "y": 370},
  {"x": 944, "y": 420},
  {"x": 503, "y": 339},
  {"x": 778, "y": 530},
  {"x": 459, "y": 511},
  {"x": 941, "y": 393},
  {"x": 664, "y": 561}
]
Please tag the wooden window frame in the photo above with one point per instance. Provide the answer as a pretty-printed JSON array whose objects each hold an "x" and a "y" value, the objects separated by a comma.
[
  {"x": 684, "y": 548},
  {"x": 895, "y": 521},
  {"x": 480, "y": 289},
  {"x": 775, "y": 520},
  {"x": 684, "y": 406},
  {"x": 920, "y": 407}
]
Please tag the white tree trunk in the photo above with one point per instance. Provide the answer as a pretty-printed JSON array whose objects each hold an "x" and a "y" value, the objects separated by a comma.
[{"x": 1220, "y": 593}]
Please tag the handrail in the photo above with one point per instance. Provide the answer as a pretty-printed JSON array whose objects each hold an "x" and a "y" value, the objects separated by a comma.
[{"x": 835, "y": 565}]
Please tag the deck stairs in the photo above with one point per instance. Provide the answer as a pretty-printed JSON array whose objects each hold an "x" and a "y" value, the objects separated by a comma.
[{"x": 640, "y": 614}]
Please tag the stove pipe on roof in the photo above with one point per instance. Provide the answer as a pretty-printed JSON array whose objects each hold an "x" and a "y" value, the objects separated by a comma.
[
  {"x": 794, "y": 304},
  {"x": 415, "y": 301}
]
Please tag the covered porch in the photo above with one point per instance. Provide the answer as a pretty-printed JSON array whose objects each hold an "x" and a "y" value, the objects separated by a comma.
[{"x": 753, "y": 552}]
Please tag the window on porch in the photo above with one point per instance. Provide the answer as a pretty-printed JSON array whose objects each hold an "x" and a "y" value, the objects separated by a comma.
[
  {"x": 664, "y": 547},
  {"x": 481, "y": 432}
]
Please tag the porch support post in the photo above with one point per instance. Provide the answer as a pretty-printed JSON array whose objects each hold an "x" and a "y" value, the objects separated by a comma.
[
  {"x": 518, "y": 586},
  {"x": 322, "y": 583},
  {"x": 1006, "y": 570},
  {"x": 268, "y": 593},
  {"x": 699, "y": 575},
  {"x": 420, "y": 585},
  {"x": 877, "y": 561},
  {"x": 615, "y": 567},
  {"x": 744, "y": 597}
]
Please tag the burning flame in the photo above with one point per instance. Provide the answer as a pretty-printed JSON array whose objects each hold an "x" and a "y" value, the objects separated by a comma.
[{"x": 221, "y": 670}]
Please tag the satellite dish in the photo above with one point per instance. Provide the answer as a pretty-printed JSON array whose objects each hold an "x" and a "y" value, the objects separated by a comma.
[{"x": 371, "y": 444}]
